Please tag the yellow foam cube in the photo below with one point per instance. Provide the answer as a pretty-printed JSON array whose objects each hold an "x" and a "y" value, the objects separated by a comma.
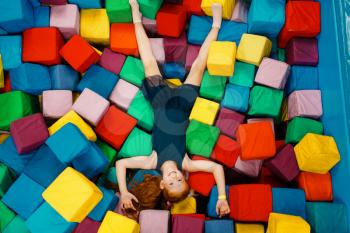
[
  {"x": 282, "y": 223},
  {"x": 3, "y": 137},
  {"x": 187, "y": 206},
  {"x": 227, "y": 7},
  {"x": 204, "y": 111},
  {"x": 249, "y": 228},
  {"x": 221, "y": 58},
  {"x": 72, "y": 195},
  {"x": 317, "y": 153},
  {"x": 175, "y": 81},
  {"x": 253, "y": 48},
  {"x": 116, "y": 223},
  {"x": 2, "y": 77},
  {"x": 75, "y": 119},
  {"x": 94, "y": 26}
]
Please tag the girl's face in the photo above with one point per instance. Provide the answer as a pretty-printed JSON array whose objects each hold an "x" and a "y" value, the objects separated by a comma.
[{"x": 173, "y": 181}]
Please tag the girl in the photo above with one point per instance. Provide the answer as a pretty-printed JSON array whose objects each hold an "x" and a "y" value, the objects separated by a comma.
[{"x": 172, "y": 107}]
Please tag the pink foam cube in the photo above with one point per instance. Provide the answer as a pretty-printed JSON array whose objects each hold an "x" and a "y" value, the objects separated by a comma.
[
  {"x": 272, "y": 73},
  {"x": 123, "y": 94},
  {"x": 249, "y": 168},
  {"x": 91, "y": 106},
  {"x": 56, "y": 103},
  {"x": 305, "y": 103},
  {"x": 192, "y": 53},
  {"x": 228, "y": 121},
  {"x": 66, "y": 18},
  {"x": 150, "y": 25},
  {"x": 240, "y": 12},
  {"x": 158, "y": 49},
  {"x": 256, "y": 120},
  {"x": 148, "y": 223},
  {"x": 112, "y": 61}
]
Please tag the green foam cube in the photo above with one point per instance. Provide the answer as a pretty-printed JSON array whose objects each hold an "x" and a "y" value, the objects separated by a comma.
[
  {"x": 142, "y": 111},
  {"x": 299, "y": 127},
  {"x": 6, "y": 179},
  {"x": 281, "y": 54},
  {"x": 17, "y": 225},
  {"x": 108, "y": 151},
  {"x": 201, "y": 138},
  {"x": 244, "y": 74},
  {"x": 6, "y": 216},
  {"x": 212, "y": 87},
  {"x": 149, "y": 8},
  {"x": 265, "y": 101},
  {"x": 118, "y": 11},
  {"x": 133, "y": 71},
  {"x": 138, "y": 143},
  {"x": 15, "y": 105}
]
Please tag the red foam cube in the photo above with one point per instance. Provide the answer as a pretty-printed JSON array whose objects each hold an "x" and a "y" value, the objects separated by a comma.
[
  {"x": 42, "y": 45},
  {"x": 193, "y": 7},
  {"x": 201, "y": 182},
  {"x": 123, "y": 39},
  {"x": 226, "y": 151},
  {"x": 171, "y": 20}
]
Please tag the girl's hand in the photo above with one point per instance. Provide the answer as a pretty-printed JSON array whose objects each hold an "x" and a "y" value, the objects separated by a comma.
[
  {"x": 126, "y": 200},
  {"x": 222, "y": 208}
]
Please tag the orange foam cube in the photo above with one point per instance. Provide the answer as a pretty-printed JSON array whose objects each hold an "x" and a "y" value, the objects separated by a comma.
[{"x": 123, "y": 39}]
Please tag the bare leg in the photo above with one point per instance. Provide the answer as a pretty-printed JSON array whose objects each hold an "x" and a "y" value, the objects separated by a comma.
[
  {"x": 199, "y": 65},
  {"x": 144, "y": 45}
]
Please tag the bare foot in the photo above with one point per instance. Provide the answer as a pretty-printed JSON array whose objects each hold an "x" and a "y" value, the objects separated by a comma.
[
  {"x": 217, "y": 14},
  {"x": 136, "y": 14}
]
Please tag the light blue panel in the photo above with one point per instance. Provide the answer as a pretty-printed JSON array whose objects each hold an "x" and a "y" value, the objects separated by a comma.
[
  {"x": 213, "y": 199},
  {"x": 86, "y": 4},
  {"x": 3, "y": 32},
  {"x": 42, "y": 16},
  {"x": 63, "y": 77},
  {"x": 16, "y": 15},
  {"x": 11, "y": 51},
  {"x": 236, "y": 98},
  {"x": 108, "y": 202},
  {"x": 174, "y": 70}
]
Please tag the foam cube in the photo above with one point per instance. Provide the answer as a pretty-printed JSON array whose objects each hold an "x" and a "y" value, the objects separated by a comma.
[
  {"x": 191, "y": 55},
  {"x": 66, "y": 18},
  {"x": 87, "y": 226},
  {"x": 87, "y": 4},
  {"x": 99, "y": 80},
  {"x": 201, "y": 182},
  {"x": 201, "y": 138},
  {"x": 29, "y": 133},
  {"x": 302, "y": 51},
  {"x": 226, "y": 151},
  {"x": 298, "y": 127},
  {"x": 54, "y": 2},
  {"x": 108, "y": 202},
  {"x": 221, "y": 58},
  {"x": 108, "y": 151},
  {"x": 317, "y": 187},
  {"x": 305, "y": 103},
  {"x": 42, "y": 16},
  {"x": 225, "y": 226},
  {"x": 213, "y": 199},
  {"x": 289, "y": 201},
  {"x": 133, "y": 71},
  {"x": 6, "y": 216},
  {"x": 244, "y": 74},
  {"x": 272, "y": 73},
  {"x": 327, "y": 217},
  {"x": 186, "y": 206},
  {"x": 150, "y": 25},
  {"x": 212, "y": 87},
  {"x": 24, "y": 196},
  {"x": 79, "y": 54},
  {"x": 111, "y": 61},
  {"x": 249, "y": 228},
  {"x": 171, "y": 20},
  {"x": 236, "y": 98},
  {"x": 284, "y": 165},
  {"x": 15, "y": 105},
  {"x": 56, "y": 103},
  {"x": 257, "y": 141},
  {"x": 115, "y": 127},
  {"x": 252, "y": 49},
  {"x": 303, "y": 19},
  {"x": 17, "y": 225},
  {"x": 172, "y": 70},
  {"x": 142, "y": 111},
  {"x": 42, "y": 45},
  {"x": 123, "y": 94},
  {"x": 227, "y": 7},
  {"x": 240, "y": 12},
  {"x": 175, "y": 49},
  {"x": 63, "y": 77},
  {"x": 174, "y": 81},
  {"x": 149, "y": 8},
  {"x": 118, "y": 12},
  {"x": 94, "y": 26},
  {"x": 11, "y": 51},
  {"x": 232, "y": 31},
  {"x": 204, "y": 111},
  {"x": 2, "y": 77},
  {"x": 193, "y": 7},
  {"x": 157, "y": 45},
  {"x": 249, "y": 168},
  {"x": 148, "y": 225},
  {"x": 138, "y": 143},
  {"x": 46, "y": 219},
  {"x": 317, "y": 153},
  {"x": 139, "y": 177},
  {"x": 113, "y": 222},
  {"x": 256, "y": 120},
  {"x": 228, "y": 121},
  {"x": 250, "y": 202},
  {"x": 265, "y": 101},
  {"x": 6, "y": 179},
  {"x": 287, "y": 224},
  {"x": 187, "y": 224},
  {"x": 123, "y": 39},
  {"x": 16, "y": 16},
  {"x": 30, "y": 78},
  {"x": 302, "y": 78},
  {"x": 198, "y": 29}
]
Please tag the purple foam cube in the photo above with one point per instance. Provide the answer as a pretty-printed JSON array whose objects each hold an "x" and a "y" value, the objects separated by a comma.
[
  {"x": 175, "y": 49},
  {"x": 149, "y": 225},
  {"x": 56, "y": 103},
  {"x": 111, "y": 61},
  {"x": 53, "y": 2},
  {"x": 228, "y": 121},
  {"x": 272, "y": 73},
  {"x": 302, "y": 51},
  {"x": 240, "y": 12},
  {"x": 29, "y": 133},
  {"x": 66, "y": 18},
  {"x": 284, "y": 165},
  {"x": 157, "y": 45},
  {"x": 87, "y": 226},
  {"x": 150, "y": 25},
  {"x": 123, "y": 94},
  {"x": 249, "y": 168},
  {"x": 305, "y": 103},
  {"x": 187, "y": 224},
  {"x": 192, "y": 53},
  {"x": 91, "y": 106}
]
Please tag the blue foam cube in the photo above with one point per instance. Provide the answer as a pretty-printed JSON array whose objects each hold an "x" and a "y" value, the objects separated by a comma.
[
  {"x": 10, "y": 157},
  {"x": 326, "y": 217},
  {"x": 17, "y": 225},
  {"x": 222, "y": 226},
  {"x": 11, "y": 51},
  {"x": 35, "y": 3},
  {"x": 236, "y": 98},
  {"x": 289, "y": 201},
  {"x": 3, "y": 32},
  {"x": 24, "y": 196},
  {"x": 174, "y": 70},
  {"x": 302, "y": 78},
  {"x": 266, "y": 17},
  {"x": 232, "y": 31},
  {"x": 75, "y": 143},
  {"x": 98, "y": 80},
  {"x": 63, "y": 77},
  {"x": 87, "y": 4},
  {"x": 42, "y": 16},
  {"x": 44, "y": 167},
  {"x": 16, "y": 15},
  {"x": 92, "y": 162},
  {"x": 30, "y": 78},
  {"x": 213, "y": 199},
  {"x": 45, "y": 219},
  {"x": 198, "y": 29},
  {"x": 108, "y": 202},
  {"x": 139, "y": 177}
]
